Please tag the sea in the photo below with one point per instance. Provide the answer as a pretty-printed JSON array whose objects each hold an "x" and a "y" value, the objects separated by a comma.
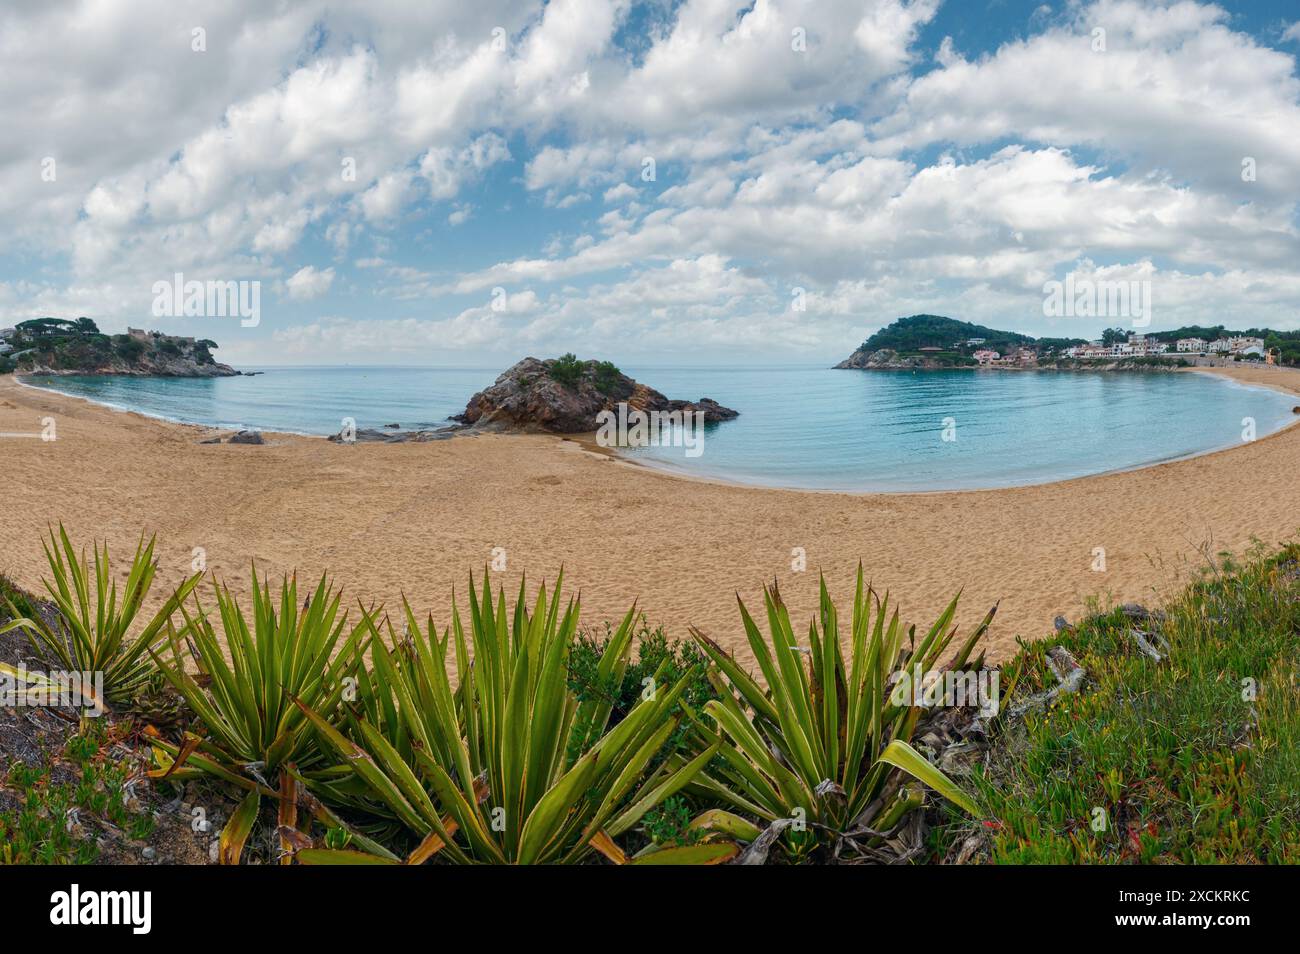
[{"x": 803, "y": 427}]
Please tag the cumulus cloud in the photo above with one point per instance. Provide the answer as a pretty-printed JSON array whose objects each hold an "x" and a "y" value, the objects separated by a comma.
[
  {"x": 659, "y": 171},
  {"x": 308, "y": 283}
]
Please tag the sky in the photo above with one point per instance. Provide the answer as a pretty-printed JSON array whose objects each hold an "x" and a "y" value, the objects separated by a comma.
[{"x": 666, "y": 182}]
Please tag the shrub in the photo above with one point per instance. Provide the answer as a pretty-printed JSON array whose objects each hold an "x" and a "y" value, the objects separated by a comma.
[
  {"x": 822, "y": 743},
  {"x": 127, "y": 348},
  {"x": 568, "y": 370},
  {"x": 655, "y": 654},
  {"x": 510, "y": 768},
  {"x": 606, "y": 376},
  {"x": 252, "y": 705},
  {"x": 92, "y": 631}
]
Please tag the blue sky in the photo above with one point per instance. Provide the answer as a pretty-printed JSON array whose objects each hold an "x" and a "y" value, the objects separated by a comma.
[{"x": 819, "y": 169}]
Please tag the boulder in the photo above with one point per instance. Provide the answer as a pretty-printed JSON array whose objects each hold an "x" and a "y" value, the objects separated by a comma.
[
  {"x": 531, "y": 397},
  {"x": 246, "y": 437}
]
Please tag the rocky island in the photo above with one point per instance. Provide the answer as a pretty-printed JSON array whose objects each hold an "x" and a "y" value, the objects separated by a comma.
[
  {"x": 62, "y": 346},
  {"x": 565, "y": 395},
  {"x": 548, "y": 396}
]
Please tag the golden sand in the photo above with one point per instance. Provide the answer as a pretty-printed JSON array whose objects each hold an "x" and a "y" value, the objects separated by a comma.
[{"x": 417, "y": 518}]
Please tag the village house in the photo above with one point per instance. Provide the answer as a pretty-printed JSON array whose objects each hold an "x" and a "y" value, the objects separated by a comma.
[
  {"x": 1190, "y": 345},
  {"x": 1243, "y": 344},
  {"x": 985, "y": 356}
]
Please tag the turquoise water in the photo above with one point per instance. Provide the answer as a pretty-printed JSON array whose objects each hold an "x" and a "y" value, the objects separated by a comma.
[{"x": 799, "y": 427}]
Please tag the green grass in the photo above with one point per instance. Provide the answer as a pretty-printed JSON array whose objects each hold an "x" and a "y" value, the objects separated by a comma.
[
  {"x": 63, "y": 802},
  {"x": 1194, "y": 759},
  {"x": 9, "y": 592}
]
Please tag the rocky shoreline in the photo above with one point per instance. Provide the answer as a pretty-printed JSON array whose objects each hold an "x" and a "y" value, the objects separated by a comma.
[
  {"x": 888, "y": 360},
  {"x": 181, "y": 369}
]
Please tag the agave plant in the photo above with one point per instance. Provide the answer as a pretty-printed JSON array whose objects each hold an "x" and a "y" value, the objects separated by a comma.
[
  {"x": 92, "y": 633},
  {"x": 822, "y": 743},
  {"x": 257, "y": 738},
  {"x": 509, "y": 767}
]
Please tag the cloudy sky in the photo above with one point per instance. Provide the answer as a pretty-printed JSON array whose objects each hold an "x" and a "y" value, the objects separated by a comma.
[{"x": 451, "y": 183}]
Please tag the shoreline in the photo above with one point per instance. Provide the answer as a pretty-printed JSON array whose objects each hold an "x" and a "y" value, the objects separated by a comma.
[
  {"x": 588, "y": 442},
  {"x": 418, "y": 518}
]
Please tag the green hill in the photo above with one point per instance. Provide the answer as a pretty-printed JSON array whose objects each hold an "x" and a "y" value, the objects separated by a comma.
[{"x": 935, "y": 331}]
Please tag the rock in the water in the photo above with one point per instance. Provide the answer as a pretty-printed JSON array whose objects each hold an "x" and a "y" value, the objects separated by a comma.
[
  {"x": 246, "y": 437},
  {"x": 530, "y": 397}
]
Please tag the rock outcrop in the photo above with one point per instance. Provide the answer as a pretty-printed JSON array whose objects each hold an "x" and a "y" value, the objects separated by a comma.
[
  {"x": 887, "y": 359},
  {"x": 565, "y": 397}
]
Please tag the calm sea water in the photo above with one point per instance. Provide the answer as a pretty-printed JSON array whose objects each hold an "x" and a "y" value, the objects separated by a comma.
[{"x": 799, "y": 427}]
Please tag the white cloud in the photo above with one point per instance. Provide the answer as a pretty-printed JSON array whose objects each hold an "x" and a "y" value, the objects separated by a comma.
[
  {"x": 796, "y": 142},
  {"x": 308, "y": 283}
]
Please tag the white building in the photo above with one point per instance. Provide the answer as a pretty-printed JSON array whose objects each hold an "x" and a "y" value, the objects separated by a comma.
[
  {"x": 1242, "y": 344},
  {"x": 1191, "y": 345}
]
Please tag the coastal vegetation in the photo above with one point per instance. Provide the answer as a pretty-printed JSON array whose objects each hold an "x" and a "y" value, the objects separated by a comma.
[
  {"x": 821, "y": 743},
  {"x": 933, "y": 341},
  {"x": 909, "y": 335},
  {"x": 400, "y": 759},
  {"x": 510, "y": 735},
  {"x": 1183, "y": 747},
  {"x": 91, "y": 630},
  {"x": 570, "y": 371},
  {"x": 66, "y": 346}
]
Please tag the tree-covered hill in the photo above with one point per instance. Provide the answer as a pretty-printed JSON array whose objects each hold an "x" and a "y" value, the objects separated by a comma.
[
  {"x": 58, "y": 345},
  {"x": 935, "y": 331}
]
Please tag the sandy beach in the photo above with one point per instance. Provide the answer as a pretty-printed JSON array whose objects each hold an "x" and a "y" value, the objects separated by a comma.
[{"x": 417, "y": 518}]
